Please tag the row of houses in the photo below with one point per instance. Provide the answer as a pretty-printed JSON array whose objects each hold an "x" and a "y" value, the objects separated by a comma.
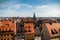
[
  {"x": 16, "y": 30},
  {"x": 11, "y": 29}
]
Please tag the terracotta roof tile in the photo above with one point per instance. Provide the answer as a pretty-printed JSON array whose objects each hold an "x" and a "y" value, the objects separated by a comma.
[
  {"x": 7, "y": 25},
  {"x": 54, "y": 27}
]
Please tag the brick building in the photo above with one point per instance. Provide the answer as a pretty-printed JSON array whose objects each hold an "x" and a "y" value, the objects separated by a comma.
[{"x": 19, "y": 30}]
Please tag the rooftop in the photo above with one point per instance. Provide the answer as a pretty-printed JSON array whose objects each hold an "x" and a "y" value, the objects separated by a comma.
[{"x": 53, "y": 29}]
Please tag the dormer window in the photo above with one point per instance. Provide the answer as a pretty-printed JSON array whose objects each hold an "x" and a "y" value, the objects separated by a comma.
[
  {"x": 29, "y": 27},
  {"x": 29, "y": 30},
  {"x": 50, "y": 23},
  {"x": 54, "y": 31},
  {"x": 7, "y": 24}
]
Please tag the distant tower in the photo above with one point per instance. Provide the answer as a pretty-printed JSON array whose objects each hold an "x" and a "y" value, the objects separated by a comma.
[{"x": 34, "y": 17}]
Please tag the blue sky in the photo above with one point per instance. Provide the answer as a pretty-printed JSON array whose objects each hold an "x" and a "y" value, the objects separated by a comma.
[{"x": 26, "y": 8}]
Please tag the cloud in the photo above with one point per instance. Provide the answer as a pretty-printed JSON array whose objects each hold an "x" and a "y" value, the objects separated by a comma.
[
  {"x": 29, "y": 6},
  {"x": 14, "y": 9},
  {"x": 48, "y": 10}
]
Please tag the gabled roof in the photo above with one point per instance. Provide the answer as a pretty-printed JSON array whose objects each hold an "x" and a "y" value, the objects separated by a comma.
[{"x": 53, "y": 29}]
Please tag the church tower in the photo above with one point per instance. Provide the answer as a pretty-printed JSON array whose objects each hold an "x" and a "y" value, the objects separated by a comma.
[{"x": 34, "y": 17}]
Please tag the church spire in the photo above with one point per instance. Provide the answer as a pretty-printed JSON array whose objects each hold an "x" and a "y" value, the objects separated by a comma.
[{"x": 34, "y": 17}]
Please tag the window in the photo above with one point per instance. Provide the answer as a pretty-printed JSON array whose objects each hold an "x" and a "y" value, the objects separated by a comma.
[
  {"x": 50, "y": 23},
  {"x": 54, "y": 31},
  {"x": 21, "y": 25},
  {"x": 12, "y": 34},
  {"x": 29, "y": 30},
  {"x": 21, "y": 31},
  {"x": 7, "y": 24},
  {"x": 25, "y": 31},
  {"x": 29, "y": 27}
]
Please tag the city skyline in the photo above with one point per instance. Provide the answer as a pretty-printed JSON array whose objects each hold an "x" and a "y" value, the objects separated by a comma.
[{"x": 26, "y": 8}]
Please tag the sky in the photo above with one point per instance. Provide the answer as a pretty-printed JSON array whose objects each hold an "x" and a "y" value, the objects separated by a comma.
[{"x": 26, "y": 8}]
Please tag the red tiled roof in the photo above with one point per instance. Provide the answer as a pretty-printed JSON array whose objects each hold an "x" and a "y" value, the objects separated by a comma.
[
  {"x": 7, "y": 25},
  {"x": 53, "y": 27},
  {"x": 27, "y": 25}
]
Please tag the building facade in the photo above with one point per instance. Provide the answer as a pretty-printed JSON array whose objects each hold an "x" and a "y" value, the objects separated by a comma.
[{"x": 19, "y": 31}]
